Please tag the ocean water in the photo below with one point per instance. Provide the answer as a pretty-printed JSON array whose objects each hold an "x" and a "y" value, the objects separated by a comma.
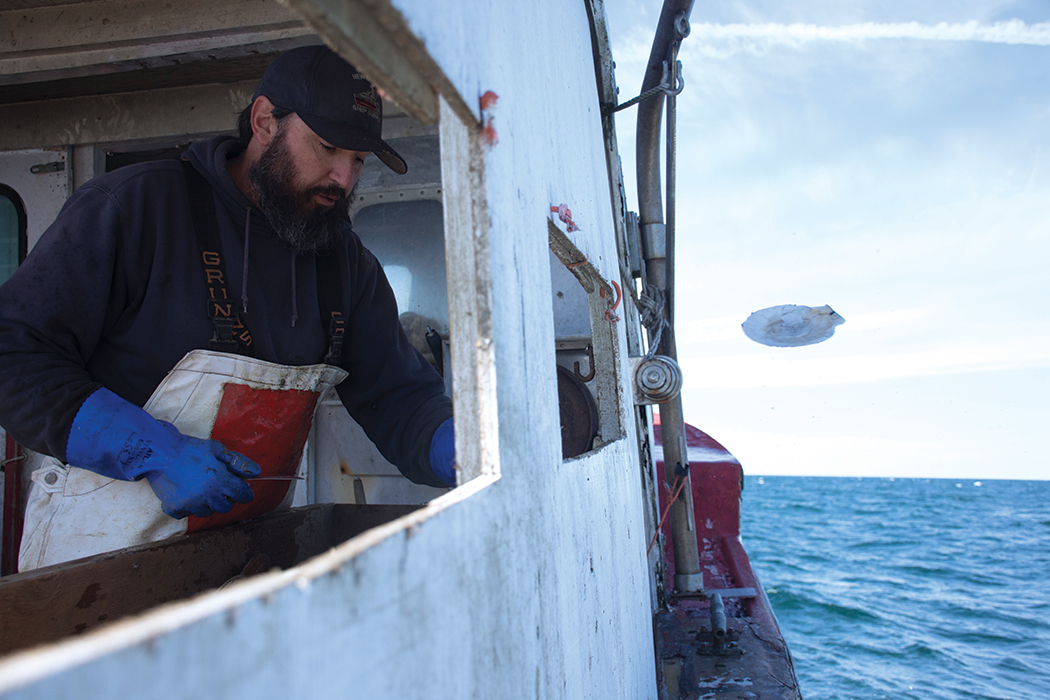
[{"x": 907, "y": 589}]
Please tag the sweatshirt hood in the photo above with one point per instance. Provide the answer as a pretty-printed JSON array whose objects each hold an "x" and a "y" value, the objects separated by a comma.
[{"x": 210, "y": 159}]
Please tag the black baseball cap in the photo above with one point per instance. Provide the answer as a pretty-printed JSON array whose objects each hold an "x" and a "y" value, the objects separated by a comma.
[{"x": 332, "y": 98}]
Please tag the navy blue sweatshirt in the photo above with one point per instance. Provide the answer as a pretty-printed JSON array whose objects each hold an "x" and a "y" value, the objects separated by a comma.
[{"x": 113, "y": 295}]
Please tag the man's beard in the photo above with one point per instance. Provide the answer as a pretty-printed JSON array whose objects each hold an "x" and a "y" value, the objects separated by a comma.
[{"x": 292, "y": 213}]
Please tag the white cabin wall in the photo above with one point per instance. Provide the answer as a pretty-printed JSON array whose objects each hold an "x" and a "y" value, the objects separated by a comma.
[
  {"x": 452, "y": 31},
  {"x": 538, "y": 61},
  {"x": 533, "y": 584}
]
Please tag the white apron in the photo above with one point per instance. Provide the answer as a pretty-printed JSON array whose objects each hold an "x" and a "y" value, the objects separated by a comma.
[{"x": 262, "y": 410}]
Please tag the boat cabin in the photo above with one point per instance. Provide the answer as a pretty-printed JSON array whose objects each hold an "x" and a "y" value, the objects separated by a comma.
[{"x": 516, "y": 268}]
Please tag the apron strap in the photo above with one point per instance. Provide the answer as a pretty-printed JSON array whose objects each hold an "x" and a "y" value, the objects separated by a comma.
[
  {"x": 229, "y": 333},
  {"x": 330, "y": 303}
]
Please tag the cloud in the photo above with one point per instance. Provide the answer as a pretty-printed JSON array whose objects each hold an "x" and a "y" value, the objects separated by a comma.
[
  {"x": 1012, "y": 32},
  {"x": 793, "y": 454},
  {"x": 779, "y": 369},
  {"x": 724, "y": 40}
]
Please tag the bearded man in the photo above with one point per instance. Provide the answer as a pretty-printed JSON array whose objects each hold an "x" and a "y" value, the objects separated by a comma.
[{"x": 238, "y": 268}]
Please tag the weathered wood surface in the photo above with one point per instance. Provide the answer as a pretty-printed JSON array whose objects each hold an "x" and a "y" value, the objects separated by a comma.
[
  {"x": 53, "y": 603},
  {"x": 169, "y": 113},
  {"x": 65, "y": 41},
  {"x": 468, "y": 251}
]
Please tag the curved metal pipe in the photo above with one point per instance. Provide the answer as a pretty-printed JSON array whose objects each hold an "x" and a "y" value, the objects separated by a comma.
[
  {"x": 650, "y": 201},
  {"x": 659, "y": 255}
]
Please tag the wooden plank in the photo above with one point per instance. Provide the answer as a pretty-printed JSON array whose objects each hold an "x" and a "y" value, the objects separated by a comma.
[
  {"x": 578, "y": 263},
  {"x": 51, "y": 37},
  {"x": 50, "y": 604},
  {"x": 152, "y": 115}
]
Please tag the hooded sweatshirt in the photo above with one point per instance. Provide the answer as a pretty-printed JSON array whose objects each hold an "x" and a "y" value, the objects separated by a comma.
[{"x": 114, "y": 295}]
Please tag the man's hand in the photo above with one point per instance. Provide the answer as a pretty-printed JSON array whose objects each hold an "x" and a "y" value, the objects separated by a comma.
[
  {"x": 191, "y": 476},
  {"x": 202, "y": 478},
  {"x": 443, "y": 453}
]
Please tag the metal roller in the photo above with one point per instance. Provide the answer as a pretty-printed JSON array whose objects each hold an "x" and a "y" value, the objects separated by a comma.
[{"x": 659, "y": 379}]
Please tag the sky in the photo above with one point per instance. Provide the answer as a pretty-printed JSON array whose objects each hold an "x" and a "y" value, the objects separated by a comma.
[{"x": 890, "y": 159}]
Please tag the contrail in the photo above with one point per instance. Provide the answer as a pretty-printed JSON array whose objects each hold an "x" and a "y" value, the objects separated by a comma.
[{"x": 1011, "y": 32}]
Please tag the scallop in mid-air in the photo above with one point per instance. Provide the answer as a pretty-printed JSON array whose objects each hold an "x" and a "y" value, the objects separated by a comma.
[{"x": 791, "y": 325}]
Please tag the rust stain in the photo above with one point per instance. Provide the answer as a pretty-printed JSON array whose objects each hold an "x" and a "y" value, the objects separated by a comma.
[{"x": 344, "y": 468}]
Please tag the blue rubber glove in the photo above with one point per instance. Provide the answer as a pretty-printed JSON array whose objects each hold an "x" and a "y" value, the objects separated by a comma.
[
  {"x": 191, "y": 476},
  {"x": 443, "y": 453}
]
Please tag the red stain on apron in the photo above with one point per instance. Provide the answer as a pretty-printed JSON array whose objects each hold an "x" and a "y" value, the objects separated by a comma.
[{"x": 269, "y": 426}]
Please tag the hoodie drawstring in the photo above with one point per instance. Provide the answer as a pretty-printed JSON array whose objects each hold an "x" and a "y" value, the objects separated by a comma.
[
  {"x": 244, "y": 271},
  {"x": 295, "y": 308}
]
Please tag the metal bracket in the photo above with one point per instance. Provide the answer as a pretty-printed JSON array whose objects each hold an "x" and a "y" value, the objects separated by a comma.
[
  {"x": 666, "y": 86},
  {"x": 19, "y": 458},
  {"x": 686, "y": 584},
  {"x": 724, "y": 592},
  {"x": 589, "y": 350},
  {"x": 733, "y": 592},
  {"x": 654, "y": 241}
]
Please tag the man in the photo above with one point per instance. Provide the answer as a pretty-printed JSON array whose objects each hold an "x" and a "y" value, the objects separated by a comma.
[{"x": 245, "y": 249}]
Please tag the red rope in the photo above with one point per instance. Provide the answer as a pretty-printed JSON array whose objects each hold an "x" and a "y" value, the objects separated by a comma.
[
  {"x": 488, "y": 131},
  {"x": 681, "y": 483},
  {"x": 563, "y": 212}
]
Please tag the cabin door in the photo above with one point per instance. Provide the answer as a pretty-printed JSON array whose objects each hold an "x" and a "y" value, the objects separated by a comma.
[{"x": 34, "y": 185}]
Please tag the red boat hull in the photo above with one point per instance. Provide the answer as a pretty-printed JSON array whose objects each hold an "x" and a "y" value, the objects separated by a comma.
[{"x": 693, "y": 662}]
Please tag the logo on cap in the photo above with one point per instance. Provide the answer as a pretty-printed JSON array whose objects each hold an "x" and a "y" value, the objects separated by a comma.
[{"x": 367, "y": 102}]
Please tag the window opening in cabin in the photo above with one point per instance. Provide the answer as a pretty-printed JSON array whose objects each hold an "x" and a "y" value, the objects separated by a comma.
[
  {"x": 400, "y": 219},
  {"x": 408, "y": 238},
  {"x": 588, "y": 402},
  {"x": 13, "y": 240},
  {"x": 386, "y": 208},
  {"x": 577, "y": 405}
]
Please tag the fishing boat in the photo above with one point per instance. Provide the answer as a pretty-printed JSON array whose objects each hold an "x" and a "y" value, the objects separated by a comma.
[{"x": 568, "y": 562}]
